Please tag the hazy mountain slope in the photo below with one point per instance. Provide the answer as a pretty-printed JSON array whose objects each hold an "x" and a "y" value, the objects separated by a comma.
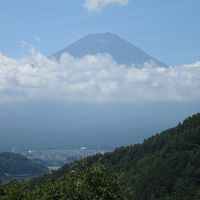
[{"x": 121, "y": 51}]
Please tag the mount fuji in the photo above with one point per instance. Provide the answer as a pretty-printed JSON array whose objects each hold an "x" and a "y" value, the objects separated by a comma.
[{"x": 121, "y": 51}]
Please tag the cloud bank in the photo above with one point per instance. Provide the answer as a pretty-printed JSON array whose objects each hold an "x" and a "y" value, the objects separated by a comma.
[
  {"x": 94, "y": 79},
  {"x": 93, "y": 5}
]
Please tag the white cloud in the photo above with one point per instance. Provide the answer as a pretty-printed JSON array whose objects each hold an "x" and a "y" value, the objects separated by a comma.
[
  {"x": 93, "y": 5},
  {"x": 95, "y": 79}
]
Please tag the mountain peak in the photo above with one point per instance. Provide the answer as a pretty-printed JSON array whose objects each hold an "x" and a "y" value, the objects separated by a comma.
[{"x": 122, "y": 51}]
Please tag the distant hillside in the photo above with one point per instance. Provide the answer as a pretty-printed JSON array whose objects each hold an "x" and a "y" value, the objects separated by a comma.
[
  {"x": 121, "y": 51},
  {"x": 16, "y": 165},
  {"x": 164, "y": 167}
]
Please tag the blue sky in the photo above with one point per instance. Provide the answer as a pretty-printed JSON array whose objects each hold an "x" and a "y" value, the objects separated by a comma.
[{"x": 168, "y": 30}]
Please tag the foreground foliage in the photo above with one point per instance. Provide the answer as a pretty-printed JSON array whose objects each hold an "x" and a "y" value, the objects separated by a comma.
[{"x": 80, "y": 183}]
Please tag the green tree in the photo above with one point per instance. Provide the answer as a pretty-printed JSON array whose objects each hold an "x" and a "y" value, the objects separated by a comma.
[{"x": 80, "y": 183}]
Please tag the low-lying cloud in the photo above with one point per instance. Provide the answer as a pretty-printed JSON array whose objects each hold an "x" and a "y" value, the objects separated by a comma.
[
  {"x": 92, "y": 5},
  {"x": 95, "y": 79}
]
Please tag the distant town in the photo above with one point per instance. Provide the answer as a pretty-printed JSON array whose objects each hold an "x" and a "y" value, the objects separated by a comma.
[{"x": 56, "y": 158}]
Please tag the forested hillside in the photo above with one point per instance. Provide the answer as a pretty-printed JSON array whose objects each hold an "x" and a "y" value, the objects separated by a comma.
[{"x": 164, "y": 167}]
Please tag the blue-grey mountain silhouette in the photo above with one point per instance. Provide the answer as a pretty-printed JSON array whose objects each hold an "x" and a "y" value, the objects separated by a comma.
[{"x": 122, "y": 51}]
